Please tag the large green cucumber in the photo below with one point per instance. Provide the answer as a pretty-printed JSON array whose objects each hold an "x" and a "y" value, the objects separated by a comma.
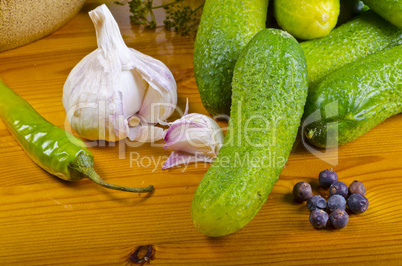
[
  {"x": 354, "y": 99},
  {"x": 390, "y": 10},
  {"x": 365, "y": 35},
  {"x": 225, "y": 28},
  {"x": 269, "y": 93}
]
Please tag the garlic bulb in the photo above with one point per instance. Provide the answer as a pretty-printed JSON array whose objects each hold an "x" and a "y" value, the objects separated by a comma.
[
  {"x": 194, "y": 137},
  {"x": 117, "y": 92}
]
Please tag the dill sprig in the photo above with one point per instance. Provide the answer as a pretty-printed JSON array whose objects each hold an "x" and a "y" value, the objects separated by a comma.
[{"x": 180, "y": 18}]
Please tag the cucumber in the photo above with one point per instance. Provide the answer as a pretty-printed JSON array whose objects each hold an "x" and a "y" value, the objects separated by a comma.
[
  {"x": 225, "y": 28},
  {"x": 390, "y": 10},
  {"x": 355, "y": 98},
  {"x": 269, "y": 93},
  {"x": 366, "y": 34},
  {"x": 307, "y": 19}
]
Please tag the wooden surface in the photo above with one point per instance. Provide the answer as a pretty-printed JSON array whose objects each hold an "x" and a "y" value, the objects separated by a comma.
[{"x": 46, "y": 221}]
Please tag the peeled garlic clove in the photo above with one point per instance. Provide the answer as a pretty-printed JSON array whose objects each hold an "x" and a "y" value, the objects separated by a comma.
[
  {"x": 194, "y": 135},
  {"x": 113, "y": 83}
]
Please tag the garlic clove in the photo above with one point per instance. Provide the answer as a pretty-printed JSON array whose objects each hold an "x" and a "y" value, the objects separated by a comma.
[
  {"x": 161, "y": 99},
  {"x": 156, "y": 106},
  {"x": 115, "y": 82},
  {"x": 147, "y": 133},
  {"x": 194, "y": 134},
  {"x": 143, "y": 132},
  {"x": 133, "y": 88},
  {"x": 190, "y": 137},
  {"x": 179, "y": 158}
]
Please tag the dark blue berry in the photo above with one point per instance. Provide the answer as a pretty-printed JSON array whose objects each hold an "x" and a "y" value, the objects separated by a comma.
[
  {"x": 357, "y": 187},
  {"x": 302, "y": 191},
  {"x": 336, "y": 202},
  {"x": 316, "y": 202},
  {"x": 357, "y": 203},
  {"x": 327, "y": 177},
  {"x": 339, "y": 218},
  {"x": 318, "y": 218},
  {"x": 339, "y": 188}
]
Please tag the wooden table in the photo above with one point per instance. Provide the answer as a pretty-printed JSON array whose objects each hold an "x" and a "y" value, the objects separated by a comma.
[{"x": 46, "y": 221}]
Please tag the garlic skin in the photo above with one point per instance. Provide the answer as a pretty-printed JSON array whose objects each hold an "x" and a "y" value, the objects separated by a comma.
[
  {"x": 194, "y": 137},
  {"x": 113, "y": 84}
]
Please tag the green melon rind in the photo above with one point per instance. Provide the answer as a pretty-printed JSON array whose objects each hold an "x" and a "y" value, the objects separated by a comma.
[
  {"x": 365, "y": 35},
  {"x": 269, "y": 93},
  {"x": 355, "y": 98},
  {"x": 225, "y": 29}
]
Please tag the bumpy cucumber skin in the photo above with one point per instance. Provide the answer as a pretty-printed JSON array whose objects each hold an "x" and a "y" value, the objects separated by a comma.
[
  {"x": 307, "y": 19},
  {"x": 365, "y": 35},
  {"x": 390, "y": 10},
  {"x": 225, "y": 28},
  {"x": 367, "y": 92},
  {"x": 269, "y": 93}
]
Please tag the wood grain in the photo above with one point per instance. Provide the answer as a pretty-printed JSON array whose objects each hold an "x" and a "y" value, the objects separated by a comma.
[{"x": 46, "y": 221}]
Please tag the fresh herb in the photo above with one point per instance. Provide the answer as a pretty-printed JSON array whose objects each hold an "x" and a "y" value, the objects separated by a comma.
[{"x": 180, "y": 18}]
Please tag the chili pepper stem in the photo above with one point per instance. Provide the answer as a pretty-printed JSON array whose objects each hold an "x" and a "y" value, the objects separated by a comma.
[
  {"x": 83, "y": 165},
  {"x": 92, "y": 175}
]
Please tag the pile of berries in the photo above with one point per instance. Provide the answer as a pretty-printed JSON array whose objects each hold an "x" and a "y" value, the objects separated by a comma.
[{"x": 341, "y": 196}]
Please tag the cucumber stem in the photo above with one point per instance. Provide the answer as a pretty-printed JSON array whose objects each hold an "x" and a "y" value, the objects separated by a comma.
[{"x": 83, "y": 165}]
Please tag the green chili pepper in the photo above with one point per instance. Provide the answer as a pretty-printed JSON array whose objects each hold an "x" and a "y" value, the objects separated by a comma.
[{"x": 52, "y": 148}]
